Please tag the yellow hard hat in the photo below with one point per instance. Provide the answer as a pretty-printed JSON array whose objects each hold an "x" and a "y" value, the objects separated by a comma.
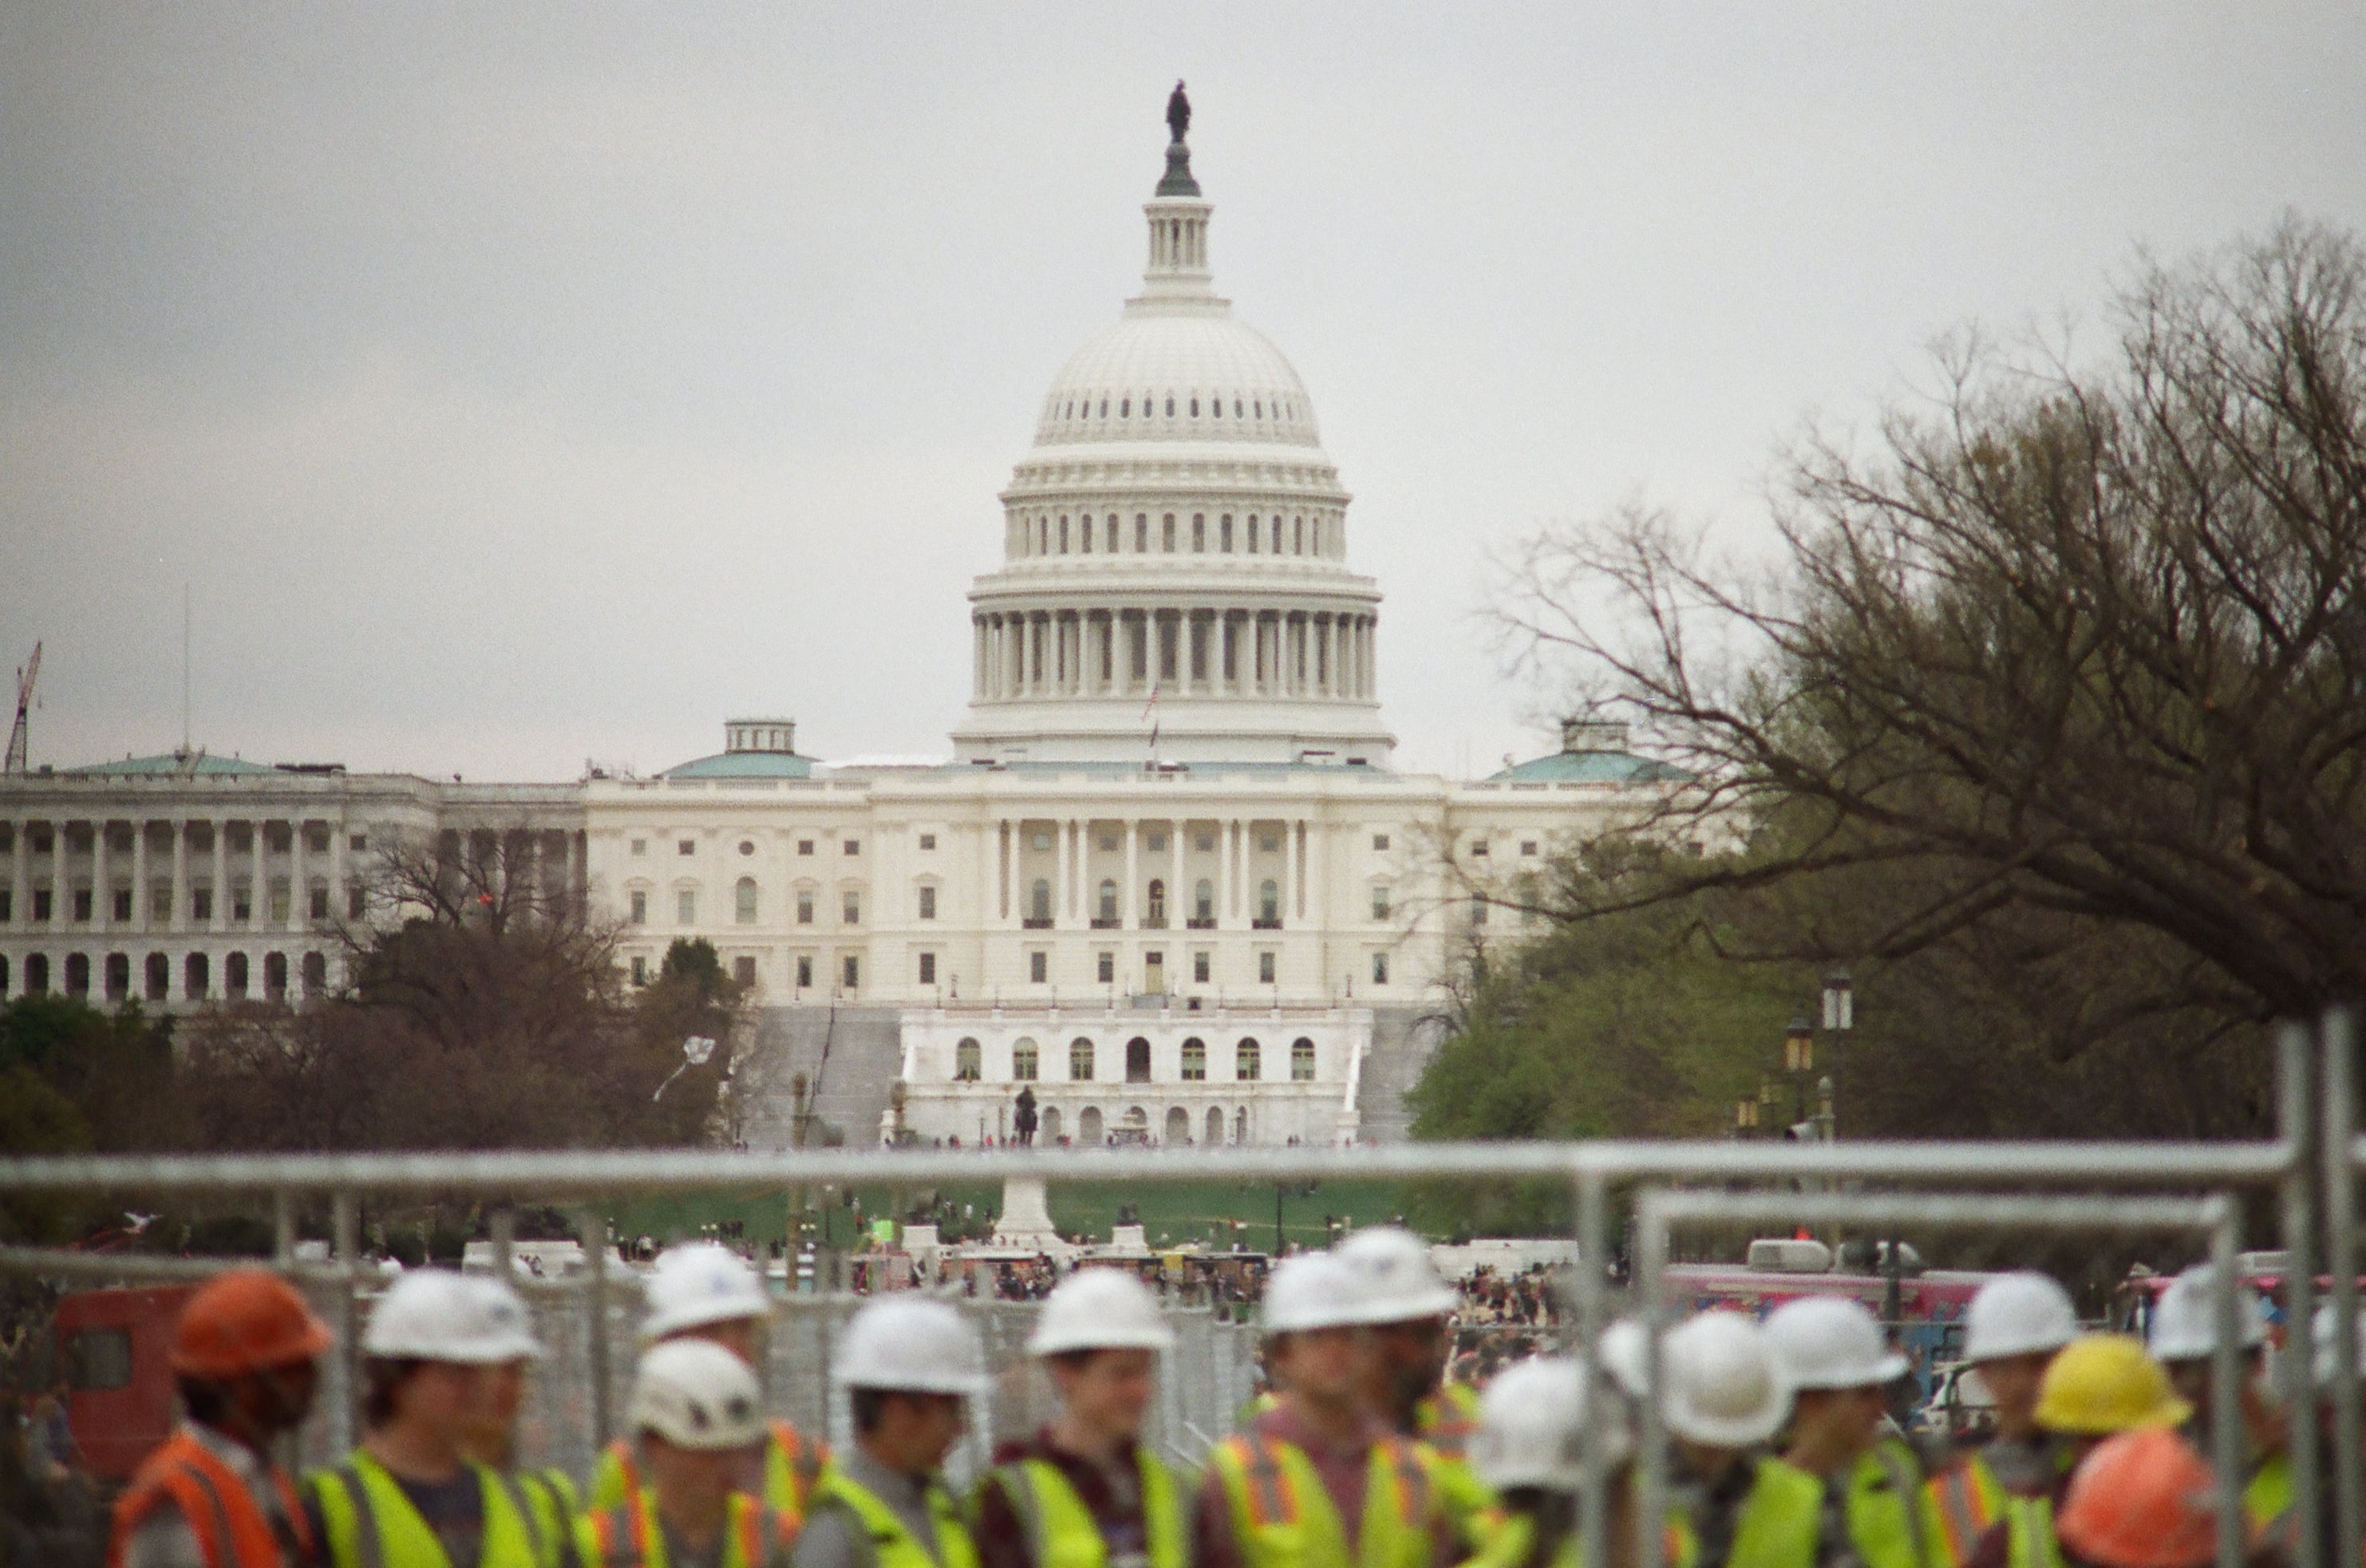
[{"x": 2101, "y": 1383}]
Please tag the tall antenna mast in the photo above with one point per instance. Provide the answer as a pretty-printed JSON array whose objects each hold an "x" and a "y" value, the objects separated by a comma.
[
  {"x": 184, "y": 665},
  {"x": 26, "y": 676}
]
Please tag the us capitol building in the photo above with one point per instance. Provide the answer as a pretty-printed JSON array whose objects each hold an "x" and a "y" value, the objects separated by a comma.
[{"x": 1169, "y": 879}]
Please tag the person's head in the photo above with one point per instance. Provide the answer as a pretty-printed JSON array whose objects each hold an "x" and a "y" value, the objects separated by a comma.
[
  {"x": 1311, "y": 1343},
  {"x": 2142, "y": 1499},
  {"x": 2100, "y": 1385},
  {"x": 1406, "y": 1312},
  {"x": 1099, "y": 1337},
  {"x": 246, "y": 1356},
  {"x": 442, "y": 1359},
  {"x": 1831, "y": 1353},
  {"x": 704, "y": 1291},
  {"x": 1534, "y": 1423},
  {"x": 909, "y": 1365},
  {"x": 2012, "y": 1329},
  {"x": 493, "y": 1426},
  {"x": 697, "y": 1412},
  {"x": 2184, "y": 1333},
  {"x": 1726, "y": 1389}
]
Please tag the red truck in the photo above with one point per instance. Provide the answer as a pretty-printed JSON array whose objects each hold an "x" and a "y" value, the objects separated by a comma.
[{"x": 116, "y": 1348}]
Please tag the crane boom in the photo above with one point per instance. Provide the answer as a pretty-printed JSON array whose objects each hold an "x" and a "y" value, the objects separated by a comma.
[{"x": 24, "y": 679}]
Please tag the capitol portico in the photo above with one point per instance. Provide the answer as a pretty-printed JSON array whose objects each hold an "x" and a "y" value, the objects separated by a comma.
[{"x": 1169, "y": 879}]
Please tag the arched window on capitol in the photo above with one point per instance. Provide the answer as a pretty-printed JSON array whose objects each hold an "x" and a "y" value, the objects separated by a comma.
[
  {"x": 1080, "y": 1060},
  {"x": 1024, "y": 1060},
  {"x": 1195, "y": 1060},
  {"x": 1203, "y": 905},
  {"x": 1302, "y": 1060},
  {"x": 743, "y": 901},
  {"x": 969, "y": 1061},
  {"x": 1245, "y": 1061}
]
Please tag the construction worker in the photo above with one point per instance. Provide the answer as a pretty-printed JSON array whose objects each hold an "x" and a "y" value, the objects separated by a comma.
[
  {"x": 1281, "y": 1494},
  {"x": 246, "y": 1358},
  {"x": 706, "y": 1292},
  {"x": 435, "y": 1355},
  {"x": 909, "y": 1366},
  {"x": 699, "y": 1416},
  {"x": 1726, "y": 1396},
  {"x": 1407, "y": 1335},
  {"x": 1085, "y": 1491},
  {"x": 2097, "y": 1387},
  {"x": 1530, "y": 1448},
  {"x": 2276, "y": 1538},
  {"x": 2143, "y": 1499},
  {"x": 491, "y": 1435},
  {"x": 2184, "y": 1332},
  {"x": 2011, "y": 1330},
  {"x": 1839, "y": 1368}
]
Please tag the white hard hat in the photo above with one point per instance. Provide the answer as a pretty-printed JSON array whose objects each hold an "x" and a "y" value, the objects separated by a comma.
[
  {"x": 2321, "y": 1345},
  {"x": 1621, "y": 1352},
  {"x": 1830, "y": 1342},
  {"x": 1100, "y": 1309},
  {"x": 1532, "y": 1422},
  {"x": 697, "y": 1394},
  {"x": 1726, "y": 1384},
  {"x": 1396, "y": 1281},
  {"x": 2185, "y": 1322},
  {"x": 698, "y": 1284},
  {"x": 1314, "y": 1290},
  {"x": 2022, "y": 1314},
  {"x": 433, "y": 1314},
  {"x": 911, "y": 1343}
]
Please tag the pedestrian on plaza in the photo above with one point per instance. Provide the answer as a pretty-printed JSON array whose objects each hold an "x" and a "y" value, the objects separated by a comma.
[
  {"x": 491, "y": 1435},
  {"x": 245, "y": 1359},
  {"x": 1870, "y": 1485},
  {"x": 2098, "y": 1386},
  {"x": 909, "y": 1367},
  {"x": 1319, "y": 1480},
  {"x": 1405, "y": 1334},
  {"x": 1085, "y": 1491},
  {"x": 436, "y": 1356},
  {"x": 2014, "y": 1327},
  {"x": 698, "y": 1419},
  {"x": 702, "y": 1290},
  {"x": 2183, "y": 1333},
  {"x": 1529, "y": 1448}
]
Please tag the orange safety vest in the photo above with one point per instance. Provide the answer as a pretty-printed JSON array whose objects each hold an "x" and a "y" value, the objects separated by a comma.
[
  {"x": 230, "y": 1526},
  {"x": 788, "y": 1453},
  {"x": 1967, "y": 1500},
  {"x": 622, "y": 1534}
]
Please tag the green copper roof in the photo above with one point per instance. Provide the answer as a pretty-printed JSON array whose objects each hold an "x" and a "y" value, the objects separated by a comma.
[
  {"x": 1591, "y": 767},
  {"x": 745, "y": 765},
  {"x": 170, "y": 764}
]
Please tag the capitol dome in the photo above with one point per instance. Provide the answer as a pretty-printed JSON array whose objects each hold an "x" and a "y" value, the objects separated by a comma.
[{"x": 1175, "y": 585}]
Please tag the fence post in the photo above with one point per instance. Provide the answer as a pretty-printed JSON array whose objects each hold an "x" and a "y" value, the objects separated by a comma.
[
  {"x": 1649, "y": 1269},
  {"x": 593, "y": 1231},
  {"x": 2227, "y": 1435},
  {"x": 346, "y": 1216},
  {"x": 2341, "y": 1259},
  {"x": 2296, "y": 1082},
  {"x": 283, "y": 1228},
  {"x": 1585, "y": 1331}
]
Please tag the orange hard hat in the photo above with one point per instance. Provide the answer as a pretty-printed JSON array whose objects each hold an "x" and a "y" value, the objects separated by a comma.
[
  {"x": 249, "y": 1320},
  {"x": 2143, "y": 1499}
]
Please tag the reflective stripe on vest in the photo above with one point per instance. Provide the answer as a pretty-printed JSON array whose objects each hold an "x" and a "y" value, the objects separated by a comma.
[
  {"x": 1780, "y": 1521},
  {"x": 2029, "y": 1534},
  {"x": 231, "y": 1528},
  {"x": 1283, "y": 1517},
  {"x": 892, "y": 1545},
  {"x": 624, "y": 1538},
  {"x": 1446, "y": 1420},
  {"x": 1061, "y": 1529},
  {"x": 371, "y": 1524},
  {"x": 792, "y": 1467},
  {"x": 1966, "y": 1501}
]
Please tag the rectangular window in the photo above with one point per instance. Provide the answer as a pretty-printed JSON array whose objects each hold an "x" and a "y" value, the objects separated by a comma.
[
  {"x": 1478, "y": 911},
  {"x": 928, "y": 902},
  {"x": 852, "y": 908},
  {"x": 804, "y": 906},
  {"x": 1107, "y": 968},
  {"x": 1039, "y": 966},
  {"x": 201, "y": 904},
  {"x": 160, "y": 902},
  {"x": 927, "y": 840},
  {"x": 641, "y": 846},
  {"x": 928, "y": 969},
  {"x": 1380, "y": 842},
  {"x": 1477, "y": 849},
  {"x": 320, "y": 903},
  {"x": 685, "y": 907},
  {"x": 640, "y": 915},
  {"x": 804, "y": 846},
  {"x": 1265, "y": 968},
  {"x": 853, "y": 846},
  {"x": 1381, "y": 902},
  {"x": 805, "y": 972},
  {"x": 8, "y": 904},
  {"x": 1379, "y": 969},
  {"x": 1199, "y": 962},
  {"x": 356, "y": 901},
  {"x": 279, "y": 903},
  {"x": 122, "y": 903},
  {"x": 358, "y": 843},
  {"x": 687, "y": 847},
  {"x": 241, "y": 906},
  {"x": 850, "y": 973},
  {"x": 40, "y": 904},
  {"x": 743, "y": 972},
  {"x": 641, "y": 971},
  {"x": 1527, "y": 846}
]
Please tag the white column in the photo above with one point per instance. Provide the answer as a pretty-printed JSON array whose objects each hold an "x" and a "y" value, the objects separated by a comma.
[
  {"x": 1289, "y": 869},
  {"x": 1130, "y": 916},
  {"x": 179, "y": 917},
  {"x": 1009, "y": 867},
  {"x": 338, "y": 871},
  {"x": 102, "y": 887},
  {"x": 258, "y": 892},
  {"x": 1179, "y": 910},
  {"x": 1227, "y": 833},
  {"x": 1060, "y": 906},
  {"x": 220, "y": 920},
  {"x": 300, "y": 897},
  {"x": 60, "y": 889},
  {"x": 142, "y": 915},
  {"x": 20, "y": 874}
]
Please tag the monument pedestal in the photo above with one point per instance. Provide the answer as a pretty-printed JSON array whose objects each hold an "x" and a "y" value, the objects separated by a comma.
[{"x": 1026, "y": 1218}]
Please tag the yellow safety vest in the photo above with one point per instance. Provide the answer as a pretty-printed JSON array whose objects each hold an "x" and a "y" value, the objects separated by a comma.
[
  {"x": 2030, "y": 1542},
  {"x": 370, "y": 1523},
  {"x": 1283, "y": 1518},
  {"x": 1889, "y": 1518},
  {"x": 1964, "y": 1502},
  {"x": 1060, "y": 1528},
  {"x": 793, "y": 1468},
  {"x": 1447, "y": 1421},
  {"x": 1510, "y": 1545},
  {"x": 2267, "y": 1497},
  {"x": 1781, "y": 1519},
  {"x": 629, "y": 1538},
  {"x": 893, "y": 1544}
]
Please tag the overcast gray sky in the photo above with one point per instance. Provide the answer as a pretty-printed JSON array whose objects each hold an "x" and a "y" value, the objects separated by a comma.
[{"x": 514, "y": 385}]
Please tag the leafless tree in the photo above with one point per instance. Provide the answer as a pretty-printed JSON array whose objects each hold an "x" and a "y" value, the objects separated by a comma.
[{"x": 2080, "y": 641}]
